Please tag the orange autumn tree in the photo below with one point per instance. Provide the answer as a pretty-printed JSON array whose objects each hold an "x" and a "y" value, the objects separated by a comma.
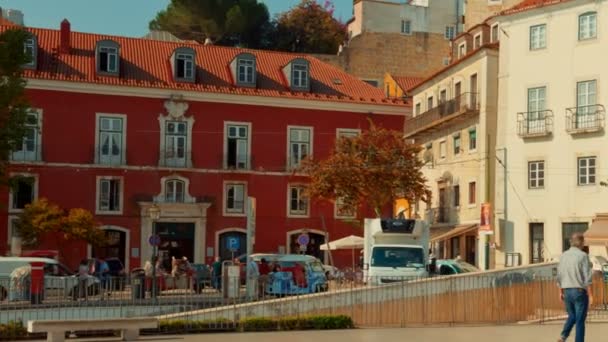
[
  {"x": 375, "y": 167},
  {"x": 42, "y": 217}
]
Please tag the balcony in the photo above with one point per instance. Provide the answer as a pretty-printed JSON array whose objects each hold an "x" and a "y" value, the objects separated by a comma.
[
  {"x": 28, "y": 153},
  {"x": 535, "y": 124},
  {"x": 585, "y": 119},
  {"x": 440, "y": 215},
  {"x": 175, "y": 158},
  {"x": 457, "y": 109}
]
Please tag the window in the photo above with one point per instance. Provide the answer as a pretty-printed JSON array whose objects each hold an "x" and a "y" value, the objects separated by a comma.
[
  {"x": 299, "y": 77},
  {"x": 456, "y": 195},
  {"x": 30, "y": 48},
  {"x": 111, "y": 140},
  {"x": 570, "y": 228},
  {"x": 450, "y": 32},
  {"x": 107, "y": 57},
  {"x": 299, "y": 145},
  {"x": 175, "y": 143},
  {"x": 538, "y": 37},
  {"x": 184, "y": 65},
  {"x": 443, "y": 96},
  {"x": 586, "y": 170},
  {"x": 442, "y": 149},
  {"x": 344, "y": 211},
  {"x": 472, "y": 193},
  {"x": 477, "y": 41},
  {"x": 536, "y": 174},
  {"x": 406, "y": 27},
  {"x": 418, "y": 108},
  {"x": 235, "y": 198},
  {"x": 537, "y": 242},
  {"x": 109, "y": 191},
  {"x": 29, "y": 150},
  {"x": 237, "y": 146},
  {"x": 455, "y": 244},
  {"x": 472, "y": 139},
  {"x": 23, "y": 192},
  {"x": 462, "y": 50},
  {"x": 587, "y": 26},
  {"x": 456, "y": 141},
  {"x": 298, "y": 203},
  {"x": 586, "y": 97},
  {"x": 495, "y": 33},
  {"x": 536, "y": 107},
  {"x": 246, "y": 71},
  {"x": 174, "y": 191},
  {"x": 429, "y": 103}
]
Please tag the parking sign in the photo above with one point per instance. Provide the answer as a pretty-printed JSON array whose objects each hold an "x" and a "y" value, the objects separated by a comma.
[{"x": 233, "y": 244}]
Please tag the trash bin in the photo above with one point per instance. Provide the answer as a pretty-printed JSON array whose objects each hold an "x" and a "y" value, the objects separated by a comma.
[{"x": 138, "y": 285}]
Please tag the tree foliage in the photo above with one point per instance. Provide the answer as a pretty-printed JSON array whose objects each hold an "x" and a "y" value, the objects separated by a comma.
[
  {"x": 14, "y": 105},
  {"x": 42, "y": 217},
  {"x": 310, "y": 28},
  {"x": 226, "y": 22},
  {"x": 375, "y": 167}
]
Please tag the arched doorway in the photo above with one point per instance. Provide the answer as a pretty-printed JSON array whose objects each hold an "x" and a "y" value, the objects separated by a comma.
[
  {"x": 316, "y": 239},
  {"x": 223, "y": 249},
  {"x": 116, "y": 247}
]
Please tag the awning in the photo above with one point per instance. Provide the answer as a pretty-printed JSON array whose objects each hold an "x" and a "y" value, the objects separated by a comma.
[
  {"x": 597, "y": 234},
  {"x": 458, "y": 230}
]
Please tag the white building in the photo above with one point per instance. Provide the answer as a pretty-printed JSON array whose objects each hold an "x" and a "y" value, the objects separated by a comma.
[
  {"x": 552, "y": 143},
  {"x": 15, "y": 16}
]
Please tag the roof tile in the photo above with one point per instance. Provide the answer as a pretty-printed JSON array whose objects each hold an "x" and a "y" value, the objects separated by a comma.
[{"x": 528, "y": 5}]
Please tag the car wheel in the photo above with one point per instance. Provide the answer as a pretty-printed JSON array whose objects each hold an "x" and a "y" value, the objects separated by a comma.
[{"x": 3, "y": 293}]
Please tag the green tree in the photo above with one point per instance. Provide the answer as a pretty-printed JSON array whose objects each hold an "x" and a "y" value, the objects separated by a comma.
[
  {"x": 309, "y": 28},
  {"x": 376, "y": 167},
  {"x": 226, "y": 22},
  {"x": 14, "y": 105}
]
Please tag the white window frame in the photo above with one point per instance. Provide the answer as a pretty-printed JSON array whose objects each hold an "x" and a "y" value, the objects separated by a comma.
[
  {"x": 290, "y": 165},
  {"x": 298, "y": 214},
  {"x": 36, "y": 155},
  {"x": 535, "y": 167},
  {"x": 588, "y": 170},
  {"x": 121, "y": 183},
  {"x": 583, "y": 102},
  {"x": 406, "y": 27},
  {"x": 462, "y": 50},
  {"x": 590, "y": 30},
  {"x": 494, "y": 39},
  {"x": 162, "y": 120},
  {"x": 443, "y": 149},
  {"x": 337, "y": 205},
  {"x": 227, "y": 125},
  {"x": 123, "y": 147},
  {"x": 189, "y": 66},
  {"x": 232, "y": 211},
  {"x": 457, "y": 137},
  {"x": 248, "y": 65},
  {"x": 472, "y": 129},
  {"x": 475, "y": 44},
  {"x": 450, "y": 32},
  {"x": 35, "y": 189},
  {"x": 303, "y": 75},
  {"x": 161, "y": 197},
  {"x": 172, "y": 183},
  {"x": 538, "y": 37},
  {"x": 31, "y": 44},
  {"x": 111, "y": 52}
]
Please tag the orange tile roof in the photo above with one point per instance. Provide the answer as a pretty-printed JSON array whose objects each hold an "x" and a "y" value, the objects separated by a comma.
[
  {"x": 528, "y": 5},
  {"x": 6, "y": 22},
  {"x": 406, "y": 82},
  {"x": 146, "y": 63}
]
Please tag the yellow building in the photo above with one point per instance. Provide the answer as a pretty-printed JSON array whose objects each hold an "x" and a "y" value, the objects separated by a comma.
[{"x": 399, "y": 86}]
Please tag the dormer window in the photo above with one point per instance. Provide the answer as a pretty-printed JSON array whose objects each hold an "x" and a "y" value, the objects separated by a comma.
[
  {"x": 184, "y": 67},
  {"x": 243, "y": 69},
  {"x": 108, "y": 57},
  {"x": 30, "y": 47},
  {"x": 297, "y": 72}
]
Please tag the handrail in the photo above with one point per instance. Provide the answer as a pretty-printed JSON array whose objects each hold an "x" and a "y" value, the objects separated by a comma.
[
  {"x": 462, "y": 103},
  {"x": 535, "y": 123},
  {"x": 582, "y": 119}
]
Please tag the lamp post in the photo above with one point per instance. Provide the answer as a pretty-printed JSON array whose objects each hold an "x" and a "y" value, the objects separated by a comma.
[{"x": 154, "y": 213}]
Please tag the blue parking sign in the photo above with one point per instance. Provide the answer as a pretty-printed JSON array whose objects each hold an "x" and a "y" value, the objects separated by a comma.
[{"x": 233, "y": 244}]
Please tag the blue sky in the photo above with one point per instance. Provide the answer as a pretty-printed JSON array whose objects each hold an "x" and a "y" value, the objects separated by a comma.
[{"x": 119, "y": 17}]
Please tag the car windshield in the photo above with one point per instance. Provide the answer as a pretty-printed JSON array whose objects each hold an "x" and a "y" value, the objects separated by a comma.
[{"x": 397, "y": 257}]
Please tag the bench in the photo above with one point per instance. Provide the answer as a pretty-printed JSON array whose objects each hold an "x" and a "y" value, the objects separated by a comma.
[{"x": 56, "y": 330}]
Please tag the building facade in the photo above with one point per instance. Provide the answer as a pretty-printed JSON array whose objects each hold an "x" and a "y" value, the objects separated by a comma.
[
  {"x": 120, "y": 125},
  {"x": 454, "y": 121},
  {"x": 551, "y": 123},
  {"x": 477, "y": 11}
]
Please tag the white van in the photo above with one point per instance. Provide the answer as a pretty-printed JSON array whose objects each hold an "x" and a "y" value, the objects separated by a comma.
[{"x": 59, "y": 281}]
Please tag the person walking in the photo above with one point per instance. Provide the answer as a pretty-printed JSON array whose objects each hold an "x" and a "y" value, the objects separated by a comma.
[
  {"x": 83, "y": 276},
  {"x": 574, "y": 276}
]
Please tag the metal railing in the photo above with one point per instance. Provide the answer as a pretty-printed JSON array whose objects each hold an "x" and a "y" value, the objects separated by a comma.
[
  {"x": 585, "y": 119},
  {"x": 464, "y": 103},
  {"x": 27, "y": 156},
  {"x": 171, "y": 158},
  {"x": 227, "y": 162},
  {"x": 535, "y": 123},
  {"x": 441, "y": 214}
]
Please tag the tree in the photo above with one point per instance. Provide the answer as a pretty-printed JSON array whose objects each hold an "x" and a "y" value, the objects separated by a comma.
[
  {"x": 14, "y": 105},
  {"x": 226, "y": 22},
  {"x": 42, "y": 217},
  {"x": 375, "y": 167},
  {"x": 310, "y": 28}
]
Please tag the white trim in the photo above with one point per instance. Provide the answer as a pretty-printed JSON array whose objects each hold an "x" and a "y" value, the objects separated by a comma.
[
  {"x": 465, "y": 49},
  {"x": 249, "y": 133},
  {"x": 349, "y": 217},
  {"x": 127, "y": 244},
  {"x": 304, "y": 230},
  {"x": 9, "y": 228},
  {"x": 266, "y": 101},
  {"x": 289, "y": 214},
  {"x": 216, "y": 252},
  {"x": 97, "y": 195},
  {"x": 347, "y": 131},
  {"x": 160, "y": 198},
  {"x": 225, "y": 198},
  {"x": 480, "y": 35},
  {"x": 445, "y": 142},
  {"x": 10, "y": 193},
  {"x": 311, "y": 144},
  {"x": 123, "y": 147},
  {"x": 162, "y": 121},
  {"x": 497, "y": 36},
  {"x": 38, "y": 156}
]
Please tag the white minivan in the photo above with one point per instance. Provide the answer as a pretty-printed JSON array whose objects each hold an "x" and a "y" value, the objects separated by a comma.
[{"x": 59, "y": 281}]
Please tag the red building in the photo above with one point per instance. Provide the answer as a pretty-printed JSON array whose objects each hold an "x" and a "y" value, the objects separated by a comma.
[{"x": 122, "y": 124}]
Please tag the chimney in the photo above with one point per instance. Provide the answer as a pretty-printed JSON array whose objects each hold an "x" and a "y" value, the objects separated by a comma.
[{"x": 64, "y": 45}]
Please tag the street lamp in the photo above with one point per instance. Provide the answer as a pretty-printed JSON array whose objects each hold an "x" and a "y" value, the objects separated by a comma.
[{"x": 154, "y": 213}]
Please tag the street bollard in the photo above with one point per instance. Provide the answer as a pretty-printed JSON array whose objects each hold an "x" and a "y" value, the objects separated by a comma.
[{"x": 37, "y": 283}]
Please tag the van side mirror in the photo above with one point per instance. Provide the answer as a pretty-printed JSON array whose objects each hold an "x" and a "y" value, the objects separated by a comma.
[{"x": 365, "y": 266}]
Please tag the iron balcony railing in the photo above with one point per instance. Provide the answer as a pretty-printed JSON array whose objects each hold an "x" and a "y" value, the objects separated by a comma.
[
  {"x": 585, "y": 119},
  {"x": 440, "y": 215},
  {"x": 446, "y": 110},
  {"x": 173, "y": 158},
  {"x": 535, "y": 124}
]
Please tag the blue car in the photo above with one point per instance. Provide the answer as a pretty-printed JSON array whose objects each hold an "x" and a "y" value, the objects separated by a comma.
[{"x": 299, "y": 274}]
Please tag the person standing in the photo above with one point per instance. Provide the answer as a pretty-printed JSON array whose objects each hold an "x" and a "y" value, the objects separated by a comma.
[
  {"x": 83, "y": 276},
  {"x": 104, "y": 276},
  {"x": 217, "y": 273},
  {"x": 253, "y": 275},
  {"x": 264, "y": 269},
  {"x": 574, "y": 277}
]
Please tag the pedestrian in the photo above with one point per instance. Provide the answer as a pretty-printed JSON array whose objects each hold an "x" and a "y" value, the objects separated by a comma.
[
  {"x": 574, "y": 279},
  {"x": 253, "y": 273},
  {"x": 217, "y": 273},
  {"x": 83, "y": 275},
  {"x": 264, "y": 269},
  {"x": 104, "y": 276}
]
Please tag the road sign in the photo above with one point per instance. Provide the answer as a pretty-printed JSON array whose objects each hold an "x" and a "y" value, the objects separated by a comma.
[
  {"x": 234, "y": 243},
  {"x": 154, "y": 240},
  {"x": 303, "y": 239},
  {"x": 303, "y": 248}
]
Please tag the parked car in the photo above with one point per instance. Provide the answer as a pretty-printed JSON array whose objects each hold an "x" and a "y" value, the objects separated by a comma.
[
  {"x": 299, "y": 274},
  {"x": 453, "y": 266}
]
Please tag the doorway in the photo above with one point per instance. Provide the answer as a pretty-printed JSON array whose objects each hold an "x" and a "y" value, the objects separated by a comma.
[
  {"x": 115, "y": 247},
  {"x": 314, "y": 245},
  {"x": 176, "y": 241}
]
